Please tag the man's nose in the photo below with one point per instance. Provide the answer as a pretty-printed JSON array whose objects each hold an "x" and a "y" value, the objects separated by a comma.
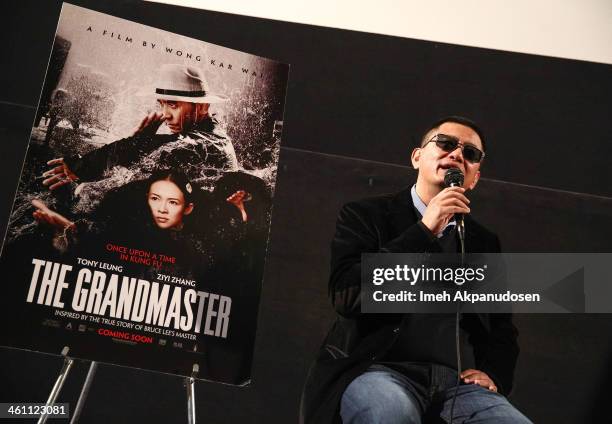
[
  {"x": 457, "y": 154},
  {"x": 165, "y": 112}
]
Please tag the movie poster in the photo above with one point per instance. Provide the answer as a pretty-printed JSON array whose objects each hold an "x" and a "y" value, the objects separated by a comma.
[{"x": 139, "y": 229}]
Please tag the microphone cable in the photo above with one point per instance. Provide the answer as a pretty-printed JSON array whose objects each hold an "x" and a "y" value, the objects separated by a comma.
[{"x": 461, "y": 233}]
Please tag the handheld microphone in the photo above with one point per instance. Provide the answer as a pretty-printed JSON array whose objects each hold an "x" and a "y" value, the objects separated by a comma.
[{"x": 454, "y": 178}]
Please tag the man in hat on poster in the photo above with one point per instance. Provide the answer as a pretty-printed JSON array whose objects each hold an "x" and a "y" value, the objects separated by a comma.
[{"x": 196, "y": 143}]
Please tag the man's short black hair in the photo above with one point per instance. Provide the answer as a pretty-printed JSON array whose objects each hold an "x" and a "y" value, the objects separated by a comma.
[{"x": 457, "y": 120}]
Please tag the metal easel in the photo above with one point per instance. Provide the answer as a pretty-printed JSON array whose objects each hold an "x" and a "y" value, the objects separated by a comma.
[
  {"x": 189, "y": 383},
  {"x": 57, "y": 387},
  {"x": 190, "y": 387}
]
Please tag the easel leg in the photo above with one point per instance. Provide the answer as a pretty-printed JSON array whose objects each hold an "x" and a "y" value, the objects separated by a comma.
[
  {"x": 58, "y": 384},
  {"x": 191, "y": 417},
  {"x": 84, "y": 392},
  {"x": 190, "y": 386}
]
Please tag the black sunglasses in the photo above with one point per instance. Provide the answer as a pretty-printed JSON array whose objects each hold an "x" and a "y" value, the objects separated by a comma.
[{"x": 448, "y": 143}]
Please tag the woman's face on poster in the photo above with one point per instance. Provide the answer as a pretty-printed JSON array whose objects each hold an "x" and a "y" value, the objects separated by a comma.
[{"x": 167, "y": 204}]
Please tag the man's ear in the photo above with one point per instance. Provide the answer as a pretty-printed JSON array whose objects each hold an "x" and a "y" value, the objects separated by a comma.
[
  {"x": 415, "y": 157},
  {"x": 202, "y": 109},
  {"x": 188, "y": 209},
  {"x": 476, "y": 178}
]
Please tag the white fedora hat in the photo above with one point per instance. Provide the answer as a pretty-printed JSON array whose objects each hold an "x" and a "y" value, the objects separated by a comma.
[{"x": 184, "y": 83}]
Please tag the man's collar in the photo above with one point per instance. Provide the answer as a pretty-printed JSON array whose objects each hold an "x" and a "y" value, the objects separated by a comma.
[
  {"x": 417, "y": 201},
  {"x": 206, "y": 125}
]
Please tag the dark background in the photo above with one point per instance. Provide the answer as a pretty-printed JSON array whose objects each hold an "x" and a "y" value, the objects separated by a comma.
[{"x": 356, "y": 102}]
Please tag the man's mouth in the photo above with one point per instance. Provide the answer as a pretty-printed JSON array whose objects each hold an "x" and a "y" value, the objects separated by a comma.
[{"x": 446, "y": 166}]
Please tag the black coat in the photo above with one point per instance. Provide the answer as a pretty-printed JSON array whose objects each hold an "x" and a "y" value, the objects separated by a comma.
[
  {"x": 388, "y": 224},
  {"x": 205, "y": 152}
]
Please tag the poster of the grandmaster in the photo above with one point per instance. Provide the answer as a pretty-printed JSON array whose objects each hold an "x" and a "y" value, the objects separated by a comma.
[{"x": 140, "y": 224}]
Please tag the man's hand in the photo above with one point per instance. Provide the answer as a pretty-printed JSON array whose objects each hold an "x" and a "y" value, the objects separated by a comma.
[
  {"x": 237, "y": 199},
  {"x": 47, "y": 216},
  {"x": 149, "y": 124},
  {"x": 443, "y": 206},
  {"x": 478, "y": 377},
  {"x": 58, "y": 175}
]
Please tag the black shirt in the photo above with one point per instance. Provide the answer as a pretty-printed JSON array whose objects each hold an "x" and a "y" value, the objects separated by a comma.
[{"x": 430, "y": 338}]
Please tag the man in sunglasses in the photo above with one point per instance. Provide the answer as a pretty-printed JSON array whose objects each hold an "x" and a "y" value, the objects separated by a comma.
[{"x": 403, "y": 368}]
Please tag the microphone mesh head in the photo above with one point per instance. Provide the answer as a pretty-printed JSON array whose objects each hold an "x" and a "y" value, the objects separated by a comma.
[{"x": 453, "y": 178}]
